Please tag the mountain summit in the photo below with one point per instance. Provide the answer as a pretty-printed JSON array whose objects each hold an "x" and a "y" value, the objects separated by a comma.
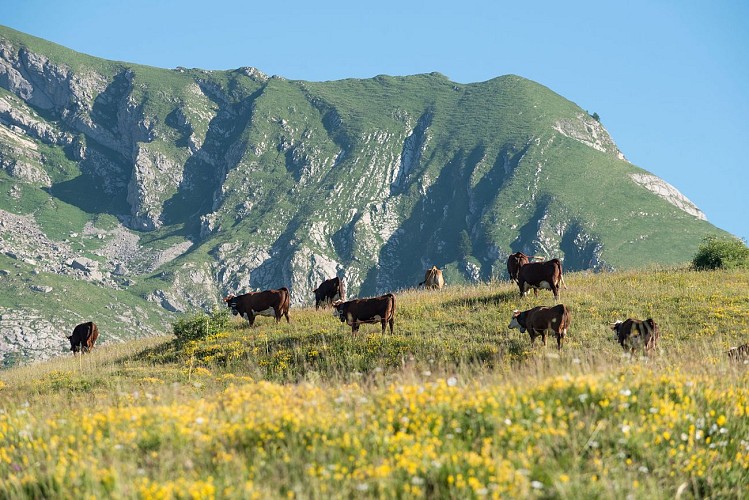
[{"x": 132, "y": 192}]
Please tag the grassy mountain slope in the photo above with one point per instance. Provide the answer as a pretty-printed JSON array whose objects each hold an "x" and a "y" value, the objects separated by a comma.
[
  {"x": 185, "y": 184},
  {"x": 452, "y": 404}
]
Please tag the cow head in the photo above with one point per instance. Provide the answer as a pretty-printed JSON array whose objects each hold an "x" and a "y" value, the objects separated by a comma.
[
  {"x": 231, "y": 303},
  {"x": 615, "y": 327},
  {"x": 74, "y": 348},
  {"x": 338, "y": 310},
  {"x": 515, "y": 321}
]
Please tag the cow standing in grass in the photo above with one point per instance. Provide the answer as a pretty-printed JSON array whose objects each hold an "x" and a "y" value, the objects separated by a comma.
[
  {"x": 84, "y": 337},
  {"x": 514, "y": 263},
  {"x": 635, "y": 333},
  {"x": 329, "y": 291},
  {"x": 266, "y": 303},
  {"x": 358, "y": 311},
  {"x": 541, "y": 320},
  {"x": 544, "y": 275},
  {"x": 433, "y": 279}
]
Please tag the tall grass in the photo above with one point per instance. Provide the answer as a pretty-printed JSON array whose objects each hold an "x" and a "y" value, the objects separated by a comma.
[{"x": 452, "y": 404}]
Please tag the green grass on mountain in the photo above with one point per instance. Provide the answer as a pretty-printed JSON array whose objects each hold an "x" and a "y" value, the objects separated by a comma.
[
  {"x": 452, "y": 404},
  {"x": 277, "y": 182}
]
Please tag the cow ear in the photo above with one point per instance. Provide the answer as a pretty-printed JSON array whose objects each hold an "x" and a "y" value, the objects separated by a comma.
[
  {"x": 515, "y": 313},
  {"x": 70, "y": 337}
]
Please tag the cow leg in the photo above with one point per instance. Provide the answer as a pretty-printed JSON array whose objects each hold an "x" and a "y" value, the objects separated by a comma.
[
  {"x": 560, "y": 338},
  {"x": 392, "y": 320},
  {"x": 384, "y": 323},
  {"x": 543, "y": 337},
  {"x": 251, "y": 319},
  {"x": 535, "y": 292},
  {"x": 278, "y": 314},
  {"x": 555, "y": 291},
  {"x": 521, "y": 285}
]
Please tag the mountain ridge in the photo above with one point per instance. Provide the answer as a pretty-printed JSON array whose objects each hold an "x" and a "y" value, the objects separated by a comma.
[{"x": 186, "y": 184}]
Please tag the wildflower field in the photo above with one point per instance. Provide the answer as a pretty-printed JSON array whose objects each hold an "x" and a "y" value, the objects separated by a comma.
[{"x": 453, "y": 404}]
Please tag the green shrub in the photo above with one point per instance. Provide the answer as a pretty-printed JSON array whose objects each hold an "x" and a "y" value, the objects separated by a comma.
[
  {"x": 200, "y": 325},
  {"x": 721, "y": 253}
]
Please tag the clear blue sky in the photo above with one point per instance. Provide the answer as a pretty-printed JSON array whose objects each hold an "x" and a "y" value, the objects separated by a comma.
[{"x": 670, "y": 79}]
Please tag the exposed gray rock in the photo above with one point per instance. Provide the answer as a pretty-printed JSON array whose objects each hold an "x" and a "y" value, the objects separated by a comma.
[
  {"x": 83, "y": 264},
  {"x": 668, "y": 193},
  {"x": 590, "y": 132},
  {"x": 27, "y": 334},
  {"x": 16, "y": 114},
  {"x": 166, "y": 300},
  {"x": 26, "y": 172},
  {"x": 154, "y": 175}
]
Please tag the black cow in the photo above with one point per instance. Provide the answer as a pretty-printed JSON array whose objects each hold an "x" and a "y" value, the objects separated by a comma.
[
  {"x": 329, "y": 291},
  {"x": 265, "y": 303},
  {"x": 84, "y": 337},
  {"x": 358, "y": 311}
]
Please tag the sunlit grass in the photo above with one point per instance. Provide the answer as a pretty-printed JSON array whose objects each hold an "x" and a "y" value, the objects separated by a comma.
[{"x": 452, "y": 405}]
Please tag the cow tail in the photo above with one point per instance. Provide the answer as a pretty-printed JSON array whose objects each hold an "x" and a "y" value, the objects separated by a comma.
[{"x": 561, "y": 275}]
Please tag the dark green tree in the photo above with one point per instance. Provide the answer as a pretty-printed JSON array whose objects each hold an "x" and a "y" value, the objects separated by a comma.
[
  {"x": 721, "y": 253},
  {"x": 465, "y": 247}
]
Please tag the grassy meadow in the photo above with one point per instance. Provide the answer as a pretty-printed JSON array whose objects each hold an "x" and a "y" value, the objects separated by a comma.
[{"x": 453, "y": 404}]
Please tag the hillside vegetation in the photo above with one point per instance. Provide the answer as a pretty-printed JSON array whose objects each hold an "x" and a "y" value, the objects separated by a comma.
[
  {"x": 452, "y": 404},
  {"x": 180, "y": 186}
]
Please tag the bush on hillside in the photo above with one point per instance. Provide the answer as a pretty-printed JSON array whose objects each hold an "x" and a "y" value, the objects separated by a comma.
[
  {"x": 200, "y": 325},
  {"x": 721, "y": 253}
]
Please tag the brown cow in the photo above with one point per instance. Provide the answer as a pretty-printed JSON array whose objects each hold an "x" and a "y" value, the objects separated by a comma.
[
  {"x": 634, "y": 333},
  {"x": 329, "y": 291},
  {"x": 84, "y": 337},
  {"x": 265, "y": 303},
  {"x": 540, "y": 320},
  {"x": 545, "y": 275},
  {"x": 358, "y": 311},
  {"x": 514, "y": 263},
  {"x": 433, "y": 279}
]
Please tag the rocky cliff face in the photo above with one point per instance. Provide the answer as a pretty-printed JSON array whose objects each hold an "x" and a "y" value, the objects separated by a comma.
[{"x": 179, "y": 186}]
